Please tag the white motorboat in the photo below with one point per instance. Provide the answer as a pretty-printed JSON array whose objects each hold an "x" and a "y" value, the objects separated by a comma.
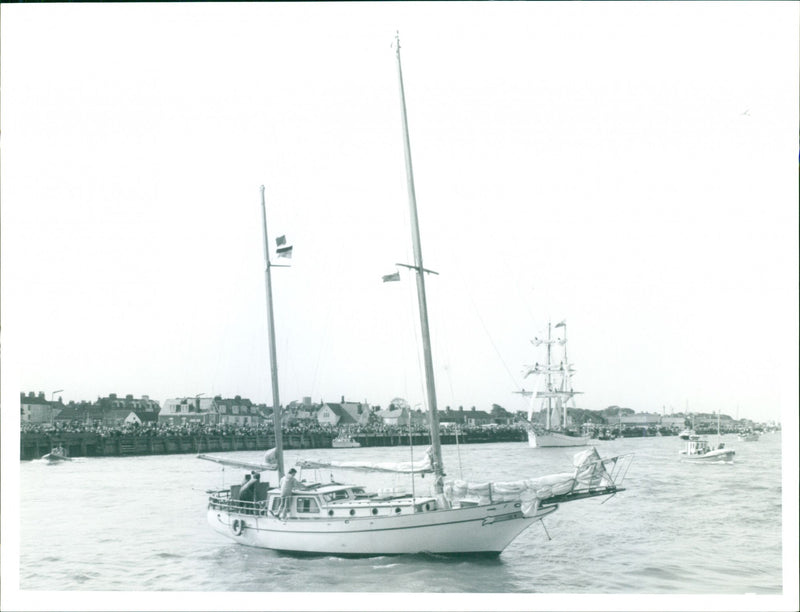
[
  {"x": 556, "y": 396},
  {"x": 57, "y": 454},
  {"x": 699, "y": 449},
  {"x": 686, "y": 434},
  {"x": 748, "y": 436},
  {"x": 345, "y": 441},
  {"x": 455, "y": 516}
]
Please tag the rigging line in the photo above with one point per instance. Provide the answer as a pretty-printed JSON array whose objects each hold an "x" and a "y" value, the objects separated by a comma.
[
  {"x": 488, "y": 335},
  {"x": 444, "y": 342},
  {"x": 324, "y": 343}
]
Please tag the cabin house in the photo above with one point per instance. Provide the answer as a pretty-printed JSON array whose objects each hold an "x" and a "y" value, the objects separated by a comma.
[
  {"x": 145, "y": 409},
  {"x": 471, "y": 417},
  {"x": 118, "y": 417},
  {"x": 239, "y": 411},
  {"x": 35, "y": 409},
  {"x": 300, "y": 413},
  {"x": 344, "y": 414},
  {"x": 394, "y": 416},
  {"x": 81, "y": 413},
  {"x": 189, "y": 410}
]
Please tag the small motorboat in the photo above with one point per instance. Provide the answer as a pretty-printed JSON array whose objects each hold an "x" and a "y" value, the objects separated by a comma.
[
  {"x": 686, "y": 434},
  {"x": 345, "y": 441},
  {"x": 56, "y": 454},
  {"x": 699, "y": 450},
  {"x": 748, "y": 436}
]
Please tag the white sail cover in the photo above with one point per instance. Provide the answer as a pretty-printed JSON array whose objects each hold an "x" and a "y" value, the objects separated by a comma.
[
  {"x": 270, "y": 462},
  {"x": 590, "y": 473},
  {"x": 423, "y": 466}
]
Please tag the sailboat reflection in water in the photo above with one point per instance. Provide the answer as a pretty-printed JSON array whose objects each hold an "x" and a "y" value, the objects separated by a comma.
[{"x": 455, "y": 516}]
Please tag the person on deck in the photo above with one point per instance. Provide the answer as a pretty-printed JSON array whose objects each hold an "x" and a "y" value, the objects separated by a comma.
[
  {"x": 248, "y": 487},
  {"x": 288, "y": 484}
]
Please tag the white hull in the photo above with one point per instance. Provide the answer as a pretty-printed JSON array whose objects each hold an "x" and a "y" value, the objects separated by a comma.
[
  {"x": 714, "y": 456},
  {"x": 552, "y": 438},
  {"x": 345, "y": 444},
  {"x": 478, "y": 529}
]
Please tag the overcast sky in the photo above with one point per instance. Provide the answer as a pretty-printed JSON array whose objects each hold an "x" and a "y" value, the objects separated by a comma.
[{"x": 629, "y": 168}]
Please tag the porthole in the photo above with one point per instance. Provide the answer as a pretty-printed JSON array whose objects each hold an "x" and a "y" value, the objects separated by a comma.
[
  {"x": 397, "y": 509},
  {"x": 427, "y": 506},
  {"x": 374, "y": 511},
  {"x": 352, "y": 512},
  {"x": 330, "y": 512}
]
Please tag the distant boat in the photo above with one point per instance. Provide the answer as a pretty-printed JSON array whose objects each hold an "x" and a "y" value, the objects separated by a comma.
[
  {"x": 56, "y": 454},
  {"x": 556, "y": 396},
  {"x": 686, "y": 434},
  {"x": 453, "y": 517},
  {"x": 748, "y": 436},
  {"x": 344, "y": 441},
  {"x": 699, "y": 450}
]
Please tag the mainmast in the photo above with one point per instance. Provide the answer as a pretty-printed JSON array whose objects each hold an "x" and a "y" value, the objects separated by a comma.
[
  {"x": 423, "y": 305},
  {"x": 566, "y": 379},
  {"x": 549, "y": 381},
  {"x": 273, "y": 360}
]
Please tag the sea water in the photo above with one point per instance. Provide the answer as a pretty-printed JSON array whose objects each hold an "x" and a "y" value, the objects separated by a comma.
[{"x": 139, "y": 524}]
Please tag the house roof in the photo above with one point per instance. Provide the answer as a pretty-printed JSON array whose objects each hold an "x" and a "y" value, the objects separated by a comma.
[{"x": 345, "y": 416}]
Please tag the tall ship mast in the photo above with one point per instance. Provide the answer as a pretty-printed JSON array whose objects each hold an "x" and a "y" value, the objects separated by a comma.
[{"x": 556, "y": 397}]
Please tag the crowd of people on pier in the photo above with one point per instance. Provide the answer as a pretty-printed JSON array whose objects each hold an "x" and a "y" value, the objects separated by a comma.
[{"x": 200, "y": 429}]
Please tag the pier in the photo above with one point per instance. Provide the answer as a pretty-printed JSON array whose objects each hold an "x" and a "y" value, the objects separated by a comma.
[{"x": 89, "y": 444}]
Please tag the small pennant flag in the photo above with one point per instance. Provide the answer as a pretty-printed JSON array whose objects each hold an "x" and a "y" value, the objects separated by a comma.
[
  {"x": 391, "y": 277},
  {"x": 285, "y": 252},
  {"x": 280, "y": 240},
  {"x": 562, "y": 324}
]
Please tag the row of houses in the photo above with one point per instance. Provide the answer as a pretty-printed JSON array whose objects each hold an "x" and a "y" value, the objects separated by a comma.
[
  {"x": 677, "y": 424},
  {"x": 115, "y": 411}
]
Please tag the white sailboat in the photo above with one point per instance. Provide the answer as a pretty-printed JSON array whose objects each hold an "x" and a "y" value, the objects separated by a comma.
[
  {"x": 556, "y": 396},
  {"x": 454, "y": 517}
]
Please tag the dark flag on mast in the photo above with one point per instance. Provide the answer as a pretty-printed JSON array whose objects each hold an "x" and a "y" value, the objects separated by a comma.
[
  {"x": 391, "y": 277},
  {"x": 285, "y": 251},
  {"x": 280, "y": 240}
]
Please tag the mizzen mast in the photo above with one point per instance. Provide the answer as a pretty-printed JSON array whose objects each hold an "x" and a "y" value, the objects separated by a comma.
[
  {"x": 423, "y": 305},
  {"x": 273, "y": 359}
]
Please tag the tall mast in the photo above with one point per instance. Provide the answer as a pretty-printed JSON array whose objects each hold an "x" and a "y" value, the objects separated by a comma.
[
  {"x": 566, "y": 378},
  {"x": 273, "y": 360},
  {"x": 423, "y": 304},
  {"x": 549, "y": 382}
]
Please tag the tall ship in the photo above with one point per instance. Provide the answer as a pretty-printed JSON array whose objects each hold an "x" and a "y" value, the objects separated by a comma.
[
  {"x": 554, "y": 398},
  {"x": 340, "y": 518}
]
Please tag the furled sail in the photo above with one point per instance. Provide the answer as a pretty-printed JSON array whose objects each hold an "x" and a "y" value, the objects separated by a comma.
[
  {"x": 270, "y": 462},
  {"x": 423, "y": 466},
  {"x": 591, "y": 476}
]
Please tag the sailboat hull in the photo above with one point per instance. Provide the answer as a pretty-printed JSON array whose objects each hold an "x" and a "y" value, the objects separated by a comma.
[
  {"x": 552, "y": 438},
  {"x": 484, "y": 529}
]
